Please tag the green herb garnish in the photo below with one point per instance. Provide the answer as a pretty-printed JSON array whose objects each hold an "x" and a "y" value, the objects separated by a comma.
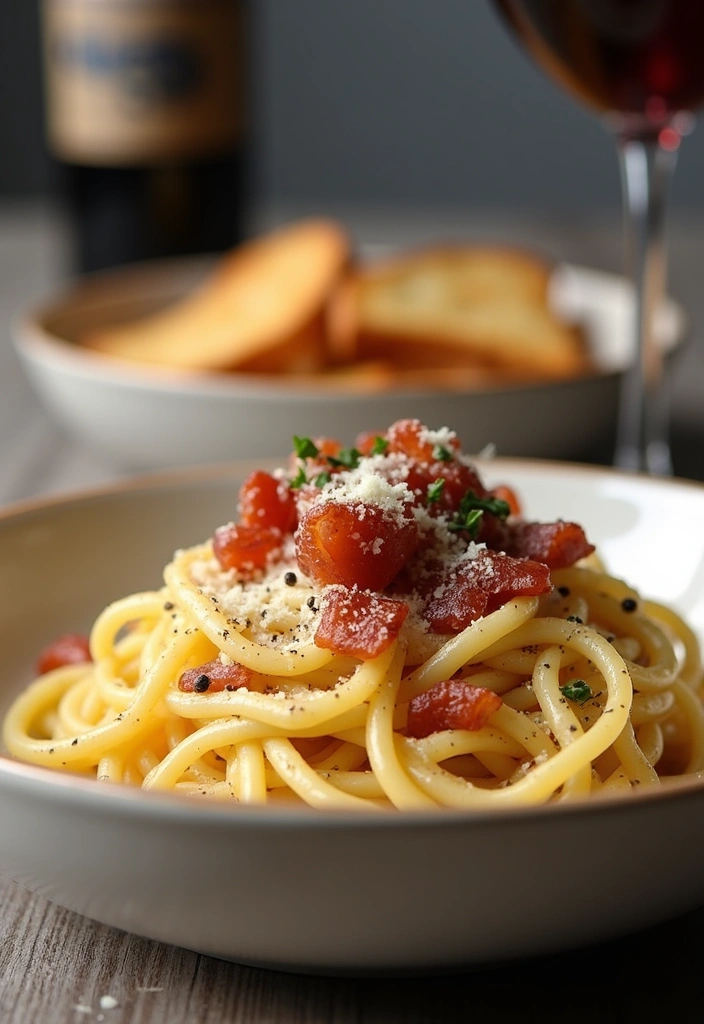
[
  {"x": 472, "y": 507},
  {"x": 322, "y": 478},
  {"x": 380, "y": 445},
  {"x": 435, "y": 491},
  {"x": 299, "y": 479},
  {"x": 442, "y": 454},
  {"x": 347, "y": 457},
  {"x": 304, "y": 447},
  {"x": 472, "y": 522},
  {"x": 576, "y": 690}
]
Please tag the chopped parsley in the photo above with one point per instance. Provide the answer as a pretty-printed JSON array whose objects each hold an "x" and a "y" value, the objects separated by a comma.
[
  {"x": 299, "y": 479},
  {"x": 305, "y": 448},
  {"x": 442, "y": 454},
  {"x": 322, "y": 478},
  {"x": 435, "y": 491},
  {"x": 469, "y": 515},
  {"x": 347, "y": 457},
  {"x": 380, "y": 445},
  {"x": 576, "y": 690}
]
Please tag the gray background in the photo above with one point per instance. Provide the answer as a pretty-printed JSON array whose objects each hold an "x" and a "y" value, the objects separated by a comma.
[{"x": 389, "y": 103}]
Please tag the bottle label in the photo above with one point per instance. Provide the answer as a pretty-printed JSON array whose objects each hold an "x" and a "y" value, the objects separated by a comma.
[{"x": 132, "y": 82}]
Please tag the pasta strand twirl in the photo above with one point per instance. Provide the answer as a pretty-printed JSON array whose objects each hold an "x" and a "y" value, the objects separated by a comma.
[{"x": 406, "y": 641}]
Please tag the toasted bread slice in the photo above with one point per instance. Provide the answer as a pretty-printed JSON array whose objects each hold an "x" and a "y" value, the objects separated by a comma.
[
  {"x": 260, "y": 309},
  {"x": 464, "y": 306}
]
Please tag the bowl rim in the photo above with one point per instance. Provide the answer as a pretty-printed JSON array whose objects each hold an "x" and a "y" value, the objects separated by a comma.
[{"x": 49, "y": 784}]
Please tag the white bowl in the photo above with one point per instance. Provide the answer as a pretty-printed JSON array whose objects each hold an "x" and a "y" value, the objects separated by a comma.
[
  {"x": 146, "y": 418},
  {"x": 308, "y": 891}
]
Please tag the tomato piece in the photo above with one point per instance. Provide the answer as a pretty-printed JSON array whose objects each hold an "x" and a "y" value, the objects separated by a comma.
[
  {"x": 69, "y": 649},
  {"x": 214, "y": 677},
  {"x": 245, "y": 548},
  {"x": 266, "y": 501},
  {"x": 408, "y": 438},
  {"x": 451, "y": 704},
  {"x": 558, "y": 545},
  {"x": 354, "y": 544},
  {"x": 480, "y": 586},
  {"x": 358, "y": 623}
]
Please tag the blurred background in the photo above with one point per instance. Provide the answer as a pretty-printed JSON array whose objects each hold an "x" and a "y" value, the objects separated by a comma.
[
  {"x": 410, "y": 120},
  {"x": 394, "y": 104}
]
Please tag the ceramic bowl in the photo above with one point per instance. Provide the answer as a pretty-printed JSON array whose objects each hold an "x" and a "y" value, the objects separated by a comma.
[
  {"x": 146, "y": 418},
  {"x": 307, "y": 891}
]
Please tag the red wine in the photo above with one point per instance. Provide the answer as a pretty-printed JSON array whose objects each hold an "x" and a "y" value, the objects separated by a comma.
[
  {"x": 639, "y": 61},
  {"x": 145, "y": 123}
]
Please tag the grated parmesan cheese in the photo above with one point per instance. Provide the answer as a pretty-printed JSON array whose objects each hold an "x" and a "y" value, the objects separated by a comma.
[
  {"x": 368, "y": 487},
  {"x": 443, "y": 437}
]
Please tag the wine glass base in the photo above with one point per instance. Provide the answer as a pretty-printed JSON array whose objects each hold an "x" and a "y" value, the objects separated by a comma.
[{"x": 655, "y": 458}]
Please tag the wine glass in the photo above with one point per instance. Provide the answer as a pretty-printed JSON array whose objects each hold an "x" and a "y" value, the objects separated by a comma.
[{"x": 638, "y": 64}]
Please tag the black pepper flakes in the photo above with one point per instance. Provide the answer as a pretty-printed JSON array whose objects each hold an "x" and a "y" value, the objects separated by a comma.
[
  {"x": 201, "y": 684},
  {"x": 290, "y": 579},
  {"x": 168, "y": 606},
  {"x": 629, "y": 604},
  {"x": 311, "y": 602},
  {"x": 564, "y": 591}
]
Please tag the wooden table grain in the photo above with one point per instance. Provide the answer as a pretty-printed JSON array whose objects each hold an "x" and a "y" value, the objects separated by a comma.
[{"x": 57, "y": 967}]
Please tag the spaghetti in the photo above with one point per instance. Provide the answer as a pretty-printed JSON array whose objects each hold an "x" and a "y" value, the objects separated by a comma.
[{"x": 377, "y": 630}]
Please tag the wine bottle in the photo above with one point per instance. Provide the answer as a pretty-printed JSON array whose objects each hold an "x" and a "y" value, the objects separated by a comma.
[{"x": 145, "y": 119}]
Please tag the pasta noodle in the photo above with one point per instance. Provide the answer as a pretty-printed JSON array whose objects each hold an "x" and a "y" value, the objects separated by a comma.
[{"x": 268, "y": 670}]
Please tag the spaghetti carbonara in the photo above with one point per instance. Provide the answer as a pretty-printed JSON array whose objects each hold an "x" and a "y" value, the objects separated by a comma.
[{"x": 377, "y": 630}]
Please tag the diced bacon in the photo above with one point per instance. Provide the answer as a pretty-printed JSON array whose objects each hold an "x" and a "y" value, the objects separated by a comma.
[
  {"x": 451, "y": 704},
  {"x": 354, "y": 544},
  {"x": 245, "y": 548},
  {"x": 358, "y": 623},
  {"x": 458, "y": 480},
  {"x": 266, "y": 501},
  {"x": 327, "y": 445},
  {"x": 408, "y": 438},
  {"x": 457, "y": 606},
  {"x": 214, "y": 676},
  {"x": 479, "y": 586},
  {"x": 558, "y": 545},
  {"x": 69, "y": 649}
]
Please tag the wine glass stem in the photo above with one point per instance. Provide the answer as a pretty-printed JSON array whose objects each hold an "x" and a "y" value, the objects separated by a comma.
[{"x": 642, "y": 441}]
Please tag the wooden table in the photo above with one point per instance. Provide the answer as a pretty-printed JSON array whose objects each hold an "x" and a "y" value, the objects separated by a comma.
[{"x": 56, "y": 966}]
